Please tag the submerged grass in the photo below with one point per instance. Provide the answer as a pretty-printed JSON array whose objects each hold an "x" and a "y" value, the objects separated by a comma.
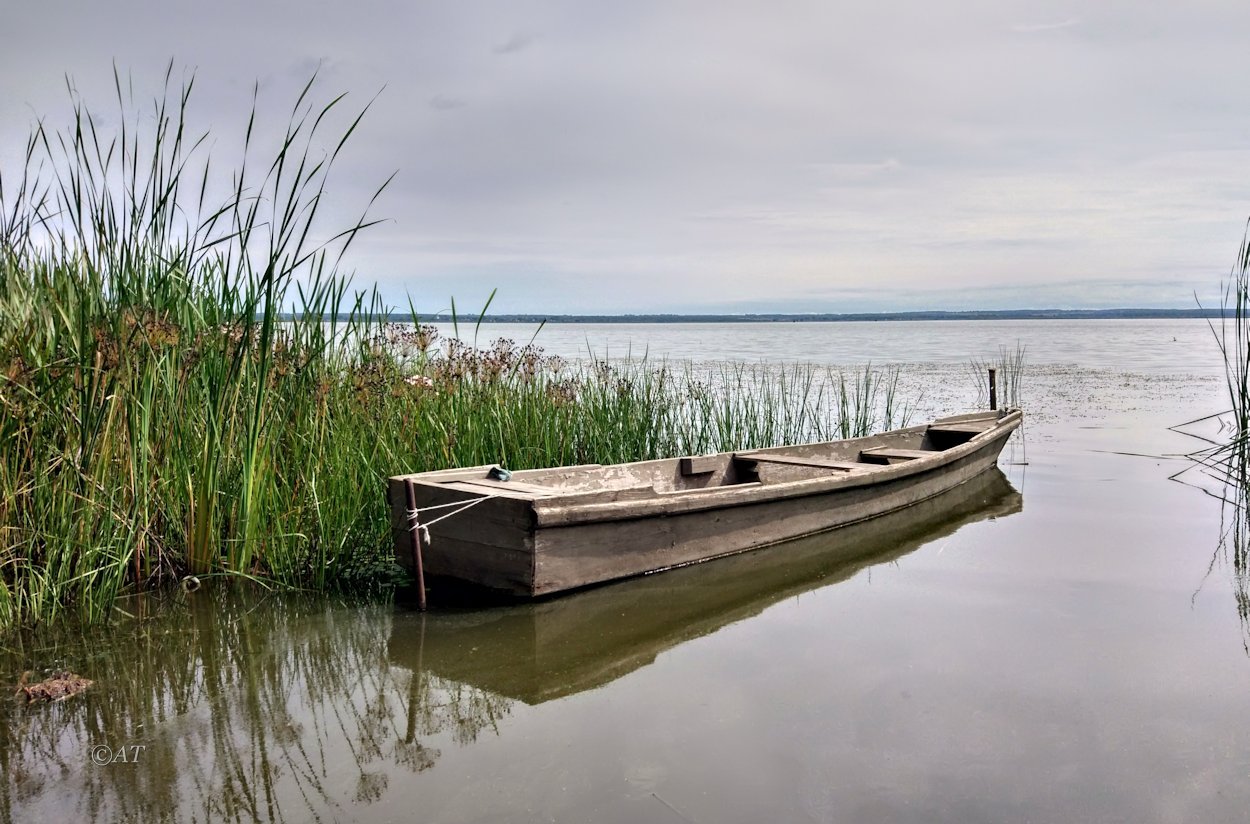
[{"x": 188, "y": 385}]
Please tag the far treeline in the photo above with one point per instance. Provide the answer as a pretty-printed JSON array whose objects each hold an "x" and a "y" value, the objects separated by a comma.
[{"x": 825, "y": 317}]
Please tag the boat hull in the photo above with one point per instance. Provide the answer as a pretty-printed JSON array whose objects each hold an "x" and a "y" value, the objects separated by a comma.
[
  {"x": 537, "y": 651},
  {"x": 530, "y": 543}
]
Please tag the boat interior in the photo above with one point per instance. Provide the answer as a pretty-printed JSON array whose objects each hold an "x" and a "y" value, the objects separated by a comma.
[{"x": 647, "y": 479}]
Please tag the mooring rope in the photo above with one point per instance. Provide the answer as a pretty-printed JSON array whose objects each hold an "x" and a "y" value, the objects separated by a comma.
[{"x": 414, "y": 515}]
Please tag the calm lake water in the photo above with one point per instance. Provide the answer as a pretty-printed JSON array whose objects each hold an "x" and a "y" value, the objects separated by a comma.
[{"x": 1060, "y": 642}]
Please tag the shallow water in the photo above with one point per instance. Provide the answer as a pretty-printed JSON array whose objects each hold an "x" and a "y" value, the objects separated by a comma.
[{"x": 1053, "y": 645}]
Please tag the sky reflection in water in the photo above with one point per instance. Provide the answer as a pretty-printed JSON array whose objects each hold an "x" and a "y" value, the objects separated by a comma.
[{"x": 1052, "y": 648}]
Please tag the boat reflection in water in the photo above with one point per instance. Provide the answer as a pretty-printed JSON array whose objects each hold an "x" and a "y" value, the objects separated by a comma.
[
  {"x": 540, "y": 651},
  {"x": 230, "y": 706}
]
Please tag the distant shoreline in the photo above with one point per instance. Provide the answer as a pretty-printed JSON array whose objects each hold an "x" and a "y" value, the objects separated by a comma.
[{"x": 826, "y": 317}]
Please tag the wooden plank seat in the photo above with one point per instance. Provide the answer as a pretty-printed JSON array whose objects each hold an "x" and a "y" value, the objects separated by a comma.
[
  {"x": 701, "y": 464},
  {"x": 974, "y": 427},
  {"x": 889, "y": 454},
  {"x": 845, "y": 466}
]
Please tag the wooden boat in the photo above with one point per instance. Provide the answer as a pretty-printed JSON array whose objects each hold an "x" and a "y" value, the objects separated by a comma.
[
  {"x": 548, "y": 530},
  {"x": 537, "y": 651}
]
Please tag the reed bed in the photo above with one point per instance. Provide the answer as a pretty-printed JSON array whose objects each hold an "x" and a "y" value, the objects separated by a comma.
[{"x": 190, "y": 386}]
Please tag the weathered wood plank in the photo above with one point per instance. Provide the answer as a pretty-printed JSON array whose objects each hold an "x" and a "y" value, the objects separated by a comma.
[
  {"x": 992, "y": 417},
  {"x": 589, "y": 553},
  {"x": 646, "y": 516},
  {"x": 698, "y": 464},
  {"x": 500, "y": 521},
  {"x": 450, "y": 474},
  {"x": 505, "y": 486},
  {"x": 799, "y": 461},
  {"x": 907, "y": 454},
  {"x": 484, "y": 564},
  {"x": 627, "y": 493},
  {"x": 963, "y": 428}
]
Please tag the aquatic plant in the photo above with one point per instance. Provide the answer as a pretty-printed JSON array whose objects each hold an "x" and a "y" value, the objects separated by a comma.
[
  {"x": 1222, "y": 466},
  {"x": 189, "y": 385},
  {"x": 143, "y": 362},
  {"x": 1009, "y": 369}
]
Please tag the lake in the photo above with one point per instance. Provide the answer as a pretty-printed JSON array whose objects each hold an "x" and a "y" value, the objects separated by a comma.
[{"x": 1059, "y": 642}]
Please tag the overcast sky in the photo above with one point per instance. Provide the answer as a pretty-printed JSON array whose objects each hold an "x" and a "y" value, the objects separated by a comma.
[{"x": 726, "y": 156}]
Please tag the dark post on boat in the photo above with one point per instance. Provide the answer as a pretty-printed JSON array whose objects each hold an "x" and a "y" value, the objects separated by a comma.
[{"x": 993, "y": 389}]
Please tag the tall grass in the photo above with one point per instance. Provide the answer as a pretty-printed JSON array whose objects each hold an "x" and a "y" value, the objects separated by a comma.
[
  {"x": 518, "y": 406},
  {"x": 147, "y": 384},
  {"x": 1233, "y": 340},
  {"x": 740, "y": 406},
  {"x": 189, "y": 385},
  {"x": 1226, "y": 458},
  {"x": 1009, "y": 371}
]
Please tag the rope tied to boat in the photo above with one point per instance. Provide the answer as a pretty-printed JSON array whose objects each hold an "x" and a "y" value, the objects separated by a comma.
[
  {"x": 414, "y": 515},
  {"x": 421, "y": 531}
]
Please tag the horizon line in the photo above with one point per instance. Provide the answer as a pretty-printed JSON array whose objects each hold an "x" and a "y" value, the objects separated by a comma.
[{"x": 1126, "y": 313}]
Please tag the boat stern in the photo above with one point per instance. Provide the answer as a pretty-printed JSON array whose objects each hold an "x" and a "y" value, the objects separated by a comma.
[{"x": 473, "y": 534}]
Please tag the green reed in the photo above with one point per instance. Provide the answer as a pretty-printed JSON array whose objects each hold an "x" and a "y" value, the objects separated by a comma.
[
  {"x": 1233, "y": 340},
  {"x": 1222, "y": 467},
  {"x": 144, "y": 370},
  {"x": 1227, "y": 458},
  {"x": 743, "y": 406},
  {"x": 189, "y": 386},
  {"x": 1009, "y": 369}
]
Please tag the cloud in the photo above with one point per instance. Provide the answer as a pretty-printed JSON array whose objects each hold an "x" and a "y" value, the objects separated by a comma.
[
  {"x": 642, "y": 157},
  {"x": 856, "y": 172},
  {"x": 515, "y": 43},
  {"x": 443, "y": 103},
  {"x": 1029, "y": 28}
]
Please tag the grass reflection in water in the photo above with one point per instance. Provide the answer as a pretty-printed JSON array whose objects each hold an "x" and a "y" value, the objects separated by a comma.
[
  {"x": 297, "y": 708},
  {"x": 226, "y": 708}
]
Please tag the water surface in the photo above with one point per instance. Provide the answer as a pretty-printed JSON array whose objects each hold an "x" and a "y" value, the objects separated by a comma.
[{"x": 1052, "y": 645}]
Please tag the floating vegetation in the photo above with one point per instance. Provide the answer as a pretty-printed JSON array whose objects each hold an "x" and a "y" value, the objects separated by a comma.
[{"x": 56, "y": 687}]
